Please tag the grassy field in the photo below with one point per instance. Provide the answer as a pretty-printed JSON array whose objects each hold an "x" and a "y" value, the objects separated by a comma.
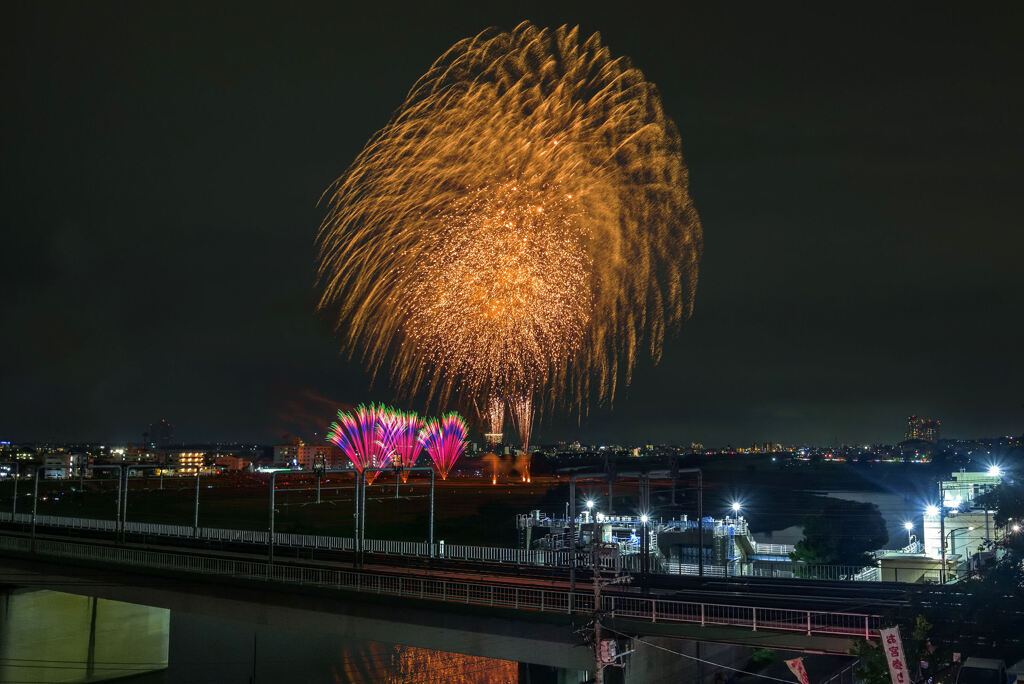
[{"x": 466, "y": 512}]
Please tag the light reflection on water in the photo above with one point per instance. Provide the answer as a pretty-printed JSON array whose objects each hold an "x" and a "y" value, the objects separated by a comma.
[{"x": 49, "y": 636}]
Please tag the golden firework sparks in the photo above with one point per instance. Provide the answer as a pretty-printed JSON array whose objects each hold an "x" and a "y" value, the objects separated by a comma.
[{"x": 521, "y": 227}]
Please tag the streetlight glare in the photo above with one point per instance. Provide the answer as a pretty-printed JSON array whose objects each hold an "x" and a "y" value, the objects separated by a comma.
[
  {"x": 644, "y": 518},
  {"x": 932, "y": 510},
  {"x": 908, "y": 526},
  {"x": 995, "y": 471},
  {"x": 736, "y": 506},
  {"x": 590, "y": 503}
]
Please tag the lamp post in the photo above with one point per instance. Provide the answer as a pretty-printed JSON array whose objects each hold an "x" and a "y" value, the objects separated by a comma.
[
  {"x": 195, "y": 507},
  {"x": 952, "y": 538},
  {"x": 360, "y": 503},
  {"x": 645, "y": 549},
  {"x": 571, "y": 516},
  {"x": 908, "y": 526},
  {"x": 124, "y": 505},
  {"x": 14, "y": 497},
  {"x": 35, "y": 498},
  {"x": 318, "y": 468}
]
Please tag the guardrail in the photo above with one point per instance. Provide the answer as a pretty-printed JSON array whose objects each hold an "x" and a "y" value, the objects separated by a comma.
[
  {"x": 646, "y": 609},
  {"x": 465, "y": 552},
  {"x": 781, "y": 570},
  {"x": 772, "y": 549}
]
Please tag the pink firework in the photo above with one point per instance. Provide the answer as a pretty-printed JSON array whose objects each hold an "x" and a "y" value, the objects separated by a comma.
[
  {"x": 399, "y": 437},
  {"x": 356, "y": 435},
  {"x": 444, "y": 440}
]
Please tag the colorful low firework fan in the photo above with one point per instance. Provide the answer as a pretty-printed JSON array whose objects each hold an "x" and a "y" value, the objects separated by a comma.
[
  {"x": 444, "y": 440},
  {"x": 399, "y": 436},
  {"x": 356, "y": 434}
]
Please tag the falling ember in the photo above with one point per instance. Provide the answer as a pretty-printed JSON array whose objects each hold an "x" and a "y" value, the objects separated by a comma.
[
  {"x": 495, "y": 421},
  {"x": 522, "y": 415},
  {"x": 356, "y": 434},
  {"x": 479, "y": 261},
  {"x": 398, "y": 434},
  {"x": 444, "y": 440}
]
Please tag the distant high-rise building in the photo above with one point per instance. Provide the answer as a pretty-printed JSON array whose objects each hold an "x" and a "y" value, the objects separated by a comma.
[
  {"x": 159, "y": 434},
  {"x": 926, "y": 429}
]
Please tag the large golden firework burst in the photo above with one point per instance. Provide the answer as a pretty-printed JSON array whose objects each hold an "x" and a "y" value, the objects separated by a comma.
[{"x": 521, "y": 227}]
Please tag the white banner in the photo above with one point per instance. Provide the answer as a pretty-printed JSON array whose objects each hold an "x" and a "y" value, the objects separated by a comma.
[{"x": 893, "y": 647}]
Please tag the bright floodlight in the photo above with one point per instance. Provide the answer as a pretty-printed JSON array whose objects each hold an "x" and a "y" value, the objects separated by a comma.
[
  {"x": 590, "y": 503},
  {"x": 995, "y": 471},
  {"x": 932, "y": 510},
  {"x": 1016, "y": 528},
  {"x": 736, "y": 506},
  {"x": 643, "y": 518},
  {"x": 908, "y": 526}
]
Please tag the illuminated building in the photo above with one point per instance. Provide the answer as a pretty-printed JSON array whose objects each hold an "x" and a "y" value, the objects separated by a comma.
[
  {"x": 232, "y": 463},
  {"x": 925, "y": 429},
  {"x": 287, "y": 455},
  {"x": 190, "y": 461},
  {"x": 300, "y": 455},
  {"x": 308, "y": 454}
]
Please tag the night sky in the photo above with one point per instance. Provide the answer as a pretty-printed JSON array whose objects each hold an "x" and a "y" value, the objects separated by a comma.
[{"x": 857, "y": 174}]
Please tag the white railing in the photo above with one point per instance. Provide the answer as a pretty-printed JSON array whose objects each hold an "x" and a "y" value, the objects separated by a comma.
[
  {"x": 913, "y": 547},
  {"x": 772, "y": 549},
  {"x": 312, "y": 541},
  {"x": 476, "y": 593},
  {"x": 463, "y": 552}
]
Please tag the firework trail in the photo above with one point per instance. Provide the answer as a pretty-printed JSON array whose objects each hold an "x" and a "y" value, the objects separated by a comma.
[
  {"x": 444, "y": 440},
  {"x": 521, "y": 227},
  {"x": 398, "y": 435},
  {"x": 522, "y": 416},
  {"x": 356, "y": 434}
]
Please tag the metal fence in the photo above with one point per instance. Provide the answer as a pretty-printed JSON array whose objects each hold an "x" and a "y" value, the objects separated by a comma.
[
  {"x": 781, "y": 570},
  {"x": 464, "y": 552},
  {"x": 475, "y": 593},
  {"x": 494, "y": 554}
]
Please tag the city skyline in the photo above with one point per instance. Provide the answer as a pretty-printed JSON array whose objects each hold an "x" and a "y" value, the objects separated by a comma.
[{"x": 858, "y": 265}]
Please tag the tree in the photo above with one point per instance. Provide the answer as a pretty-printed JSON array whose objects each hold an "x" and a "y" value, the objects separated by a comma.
[
  {"x": 842, "y": 533},
  {"x": 872, "y": 668}
]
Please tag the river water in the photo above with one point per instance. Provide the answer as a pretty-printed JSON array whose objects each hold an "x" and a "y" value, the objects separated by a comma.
[
  {"x": 896, "y": 509},
  {"x": 50, "y": 636}
]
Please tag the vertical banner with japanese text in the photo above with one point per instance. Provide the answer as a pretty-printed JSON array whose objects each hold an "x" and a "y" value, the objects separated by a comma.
[
  {"x": 893, "y": 647},
  {"x": 796, "y": 666}
]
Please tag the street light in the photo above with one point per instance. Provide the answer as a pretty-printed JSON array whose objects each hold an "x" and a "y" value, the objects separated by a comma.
[
  {"x": 951, "y": 538},
  {"x": 590, "y": 503},
  {"x": 644, "y": 518},
  {"x": 908, "y": 526},
  {"x": 931, "y": 511},
  {"x": 995, "y": 471},
  {"x": 736, "y": 506}
]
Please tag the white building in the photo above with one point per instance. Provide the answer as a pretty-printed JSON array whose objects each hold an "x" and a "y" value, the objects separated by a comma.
[{"x": 965, "y": 487}]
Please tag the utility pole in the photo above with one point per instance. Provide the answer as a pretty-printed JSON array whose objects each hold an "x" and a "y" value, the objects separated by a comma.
[{"x": 605, "y": 558}]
